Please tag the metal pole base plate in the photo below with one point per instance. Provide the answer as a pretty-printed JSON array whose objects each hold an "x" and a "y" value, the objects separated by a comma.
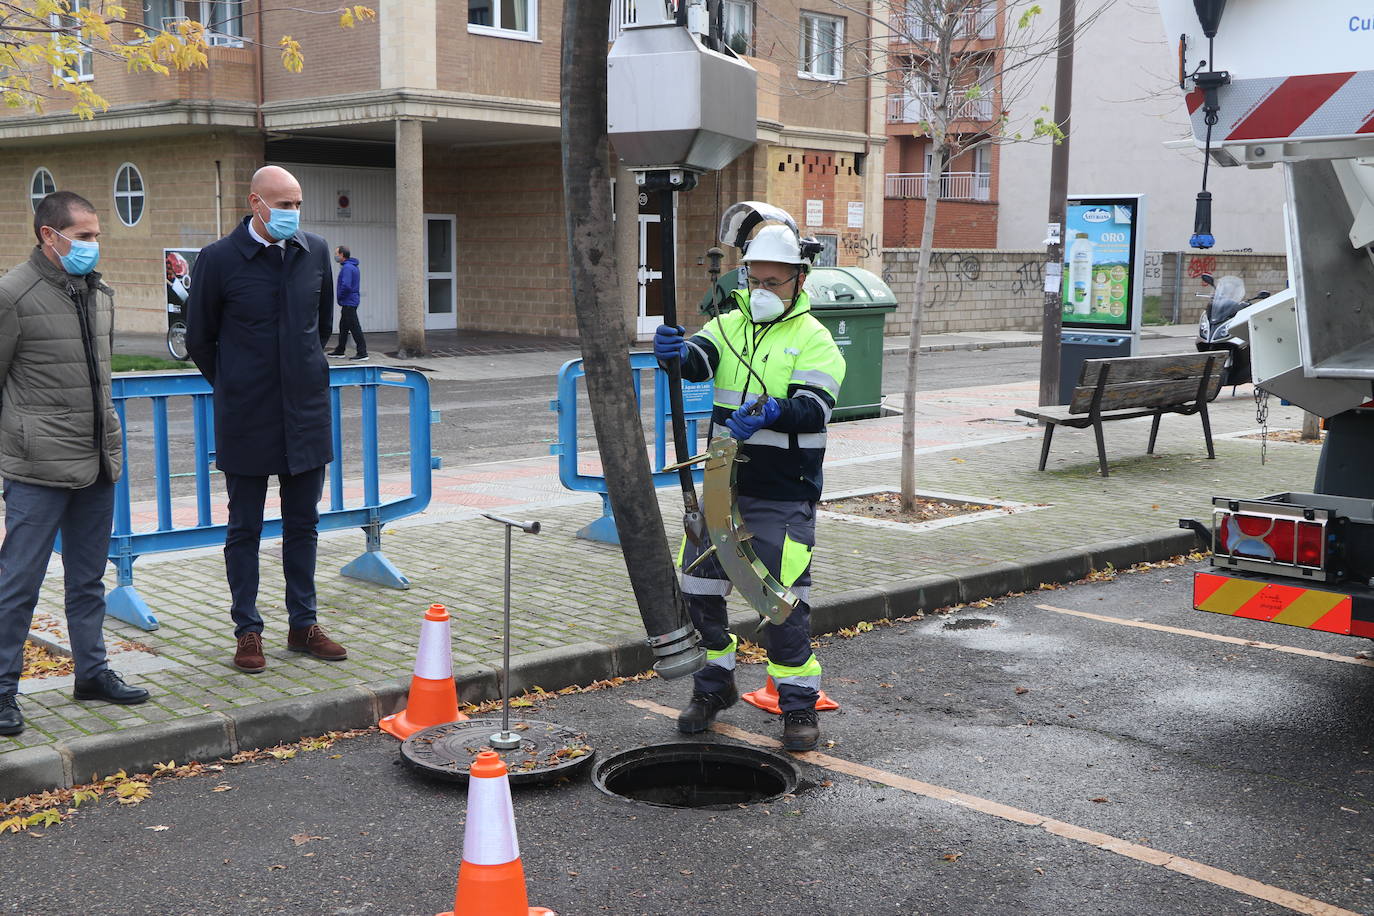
[{"x": 547, "y": 752}]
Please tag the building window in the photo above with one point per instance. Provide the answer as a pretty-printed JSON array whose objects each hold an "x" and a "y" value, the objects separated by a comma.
[
  {"x": 738, "y": 18},
  {"x": 223, "y": 19},
  {"x": 40, "y": 186},
  {"x": 822, "y": 46},
  {"x": 128, "y": 194},
  {"x": 78, "y": 66},
  {"x": 508, "y": 18}
]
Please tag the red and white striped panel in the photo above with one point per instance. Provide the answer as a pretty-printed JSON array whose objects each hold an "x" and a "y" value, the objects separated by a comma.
[{"x": 1326, "y": 105}]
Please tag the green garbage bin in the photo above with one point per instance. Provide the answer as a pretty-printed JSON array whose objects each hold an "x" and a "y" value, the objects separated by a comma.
[{"x": 853, "y": 304}]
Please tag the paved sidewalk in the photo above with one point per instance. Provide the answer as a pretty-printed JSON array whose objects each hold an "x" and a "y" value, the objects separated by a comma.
[{"x": 574, "y": 615}]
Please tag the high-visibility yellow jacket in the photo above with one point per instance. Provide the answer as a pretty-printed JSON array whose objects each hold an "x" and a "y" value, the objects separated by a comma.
[{"x": 793, "y": 359}]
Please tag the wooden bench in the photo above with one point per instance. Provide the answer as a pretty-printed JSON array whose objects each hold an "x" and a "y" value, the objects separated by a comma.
[{"x": 1136, "y": 386}]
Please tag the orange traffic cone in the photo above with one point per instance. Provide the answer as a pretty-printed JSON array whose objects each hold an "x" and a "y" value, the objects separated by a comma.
[
  {"x": 491, "y": 880},
  {"x": 433, "y": 695},
  {"x": 766, "y": 698}
]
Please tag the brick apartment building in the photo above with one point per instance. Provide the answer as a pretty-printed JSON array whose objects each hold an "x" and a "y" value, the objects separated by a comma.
[
  {"x": 427, "y": 143},
  {"x": 967, "y": 214}
]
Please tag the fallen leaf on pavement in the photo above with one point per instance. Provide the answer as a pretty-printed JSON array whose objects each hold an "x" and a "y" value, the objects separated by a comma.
[
  {"x": 1101, "y": 800},
  {"x": 223, "y": 787},
  {"x": 300, "y": 839},
  {"x": 158, "y": 828},
  {"x": 1021, "y": 690},
  {"x": 952, "y": 856}
]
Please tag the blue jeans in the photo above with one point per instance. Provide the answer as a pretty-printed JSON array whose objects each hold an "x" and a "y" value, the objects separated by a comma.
[
  {"x": 33, "y": 517},
  {"x": 300, "y": 516}
]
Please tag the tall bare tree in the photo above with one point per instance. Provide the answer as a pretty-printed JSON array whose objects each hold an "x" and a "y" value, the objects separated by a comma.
[
  {"x": 601, "y": 321},
  {"x": 965, "y": 70}
]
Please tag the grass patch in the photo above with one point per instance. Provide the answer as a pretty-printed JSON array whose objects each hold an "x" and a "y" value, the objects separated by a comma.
[
  {"x": 1153, "y": 315},
  {"x": 121, "y": 362}
]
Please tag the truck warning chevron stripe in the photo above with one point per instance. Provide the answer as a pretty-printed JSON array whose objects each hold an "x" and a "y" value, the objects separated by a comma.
[
  {"x": 1295, "y": 107},
  {"x": 1310, "y": 608}
]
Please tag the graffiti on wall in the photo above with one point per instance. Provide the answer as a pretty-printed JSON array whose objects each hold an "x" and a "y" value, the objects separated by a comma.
[
  {"x": 1197, "y": 266},
  {"x": 950, "y": 274},
  {"x": 1028, "y": 277},
  {"x": 860, "y": 246}
]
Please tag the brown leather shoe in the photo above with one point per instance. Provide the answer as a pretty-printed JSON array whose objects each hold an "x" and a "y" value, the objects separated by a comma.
[
  {"x": 313, "y": 640},
  {"x": 249, "y": 656}
]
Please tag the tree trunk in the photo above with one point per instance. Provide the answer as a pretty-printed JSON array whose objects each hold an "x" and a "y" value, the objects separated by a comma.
[
  {"x": 601, "y": 322},
  {"x": 937, "y": 168}
]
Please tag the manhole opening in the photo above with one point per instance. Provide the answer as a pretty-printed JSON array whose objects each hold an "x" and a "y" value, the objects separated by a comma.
[
  {"x": 696, "y": 776},
  {"x": 970, "y": 623}
]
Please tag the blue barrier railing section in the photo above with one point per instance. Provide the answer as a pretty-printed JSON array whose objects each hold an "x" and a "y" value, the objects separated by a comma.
[
  {"x": 696, "y": 400},
  {"x": 127, "y": 545}
]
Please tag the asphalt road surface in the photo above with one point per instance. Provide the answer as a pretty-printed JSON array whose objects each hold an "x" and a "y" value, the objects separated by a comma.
[{"x": 1011, "y": 759}]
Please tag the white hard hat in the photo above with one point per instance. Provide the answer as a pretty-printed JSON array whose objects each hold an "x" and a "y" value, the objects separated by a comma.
[{"x": 774, "y": 243}]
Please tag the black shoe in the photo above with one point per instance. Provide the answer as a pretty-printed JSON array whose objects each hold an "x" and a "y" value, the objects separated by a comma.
[
  {"x": 801, "y": 730},
  {"x": 359, "y": 357},
  {"x": 108, "y": 687},
  {"x": 338, "y": 353},
  {"x": 703, "y": 709},
  {"x": 11, "y": 717}
]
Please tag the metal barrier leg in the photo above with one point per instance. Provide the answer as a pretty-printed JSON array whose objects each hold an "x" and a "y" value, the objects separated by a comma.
[
  {"x": 373, "y": 566},
  {"x": 602, "y": 530},
  {"x": 125, "y": 603}
]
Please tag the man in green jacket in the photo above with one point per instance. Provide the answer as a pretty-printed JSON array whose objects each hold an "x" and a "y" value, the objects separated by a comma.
[
  {"x": 777, "y": 374},
  {"x": 60, "y": 446}
]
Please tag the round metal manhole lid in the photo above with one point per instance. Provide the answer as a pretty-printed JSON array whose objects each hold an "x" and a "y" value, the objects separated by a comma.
[
  {"x": 696, "y": 775},
  {"x": 547, "y": 751}
]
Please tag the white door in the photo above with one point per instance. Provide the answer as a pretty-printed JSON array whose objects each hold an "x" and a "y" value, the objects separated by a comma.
[
  {"x": 356, "y": 208},
  {"x": 441, "y": 265}
]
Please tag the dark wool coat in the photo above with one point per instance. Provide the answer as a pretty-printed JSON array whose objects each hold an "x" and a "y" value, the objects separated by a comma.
[{"x": 257, "y": 330}]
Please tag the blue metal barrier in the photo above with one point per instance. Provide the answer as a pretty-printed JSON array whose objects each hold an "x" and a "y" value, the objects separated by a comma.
[
  {"x": 127, "y": 545},
  {"x": 696, "y": 400}
]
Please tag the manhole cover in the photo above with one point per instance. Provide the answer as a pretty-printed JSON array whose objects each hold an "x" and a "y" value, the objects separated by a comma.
[
  {"x": 546, "y": 752},
  {"x": 688, "y": 775},
  {"x": 970, "y": 623}
]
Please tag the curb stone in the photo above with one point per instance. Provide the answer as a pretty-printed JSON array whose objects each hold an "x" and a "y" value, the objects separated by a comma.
[{"x": 221, "y": 734}]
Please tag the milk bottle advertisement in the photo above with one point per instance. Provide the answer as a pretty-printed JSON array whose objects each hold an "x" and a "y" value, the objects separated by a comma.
[{"x": 1098, "y": 247}]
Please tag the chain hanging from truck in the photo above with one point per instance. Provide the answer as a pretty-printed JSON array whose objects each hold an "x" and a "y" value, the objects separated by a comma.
[{"x": 1262, "y": 418}]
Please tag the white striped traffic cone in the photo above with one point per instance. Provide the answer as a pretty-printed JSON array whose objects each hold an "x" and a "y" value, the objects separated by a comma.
[
  {"x": 433, "y": 694},
  {"x": 491, "y": 880}
]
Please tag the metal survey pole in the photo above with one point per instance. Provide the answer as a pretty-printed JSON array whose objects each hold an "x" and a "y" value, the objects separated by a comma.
[{"x": 505, "y": 739}]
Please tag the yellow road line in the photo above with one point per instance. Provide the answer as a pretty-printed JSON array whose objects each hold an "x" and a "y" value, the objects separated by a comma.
[
  {"x": 1107, "y": 843},
  {"x": 1200, "y": 634}
]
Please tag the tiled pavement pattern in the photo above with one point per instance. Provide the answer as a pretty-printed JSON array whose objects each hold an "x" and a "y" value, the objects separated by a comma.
[{"x": 568, "y": 591}]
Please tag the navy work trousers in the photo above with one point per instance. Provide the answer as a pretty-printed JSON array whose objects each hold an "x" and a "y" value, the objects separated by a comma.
[
  {"x": 770, "y": 521},
  {"x": 300, "y": 514},
  {"x": 33, "y": 517}
]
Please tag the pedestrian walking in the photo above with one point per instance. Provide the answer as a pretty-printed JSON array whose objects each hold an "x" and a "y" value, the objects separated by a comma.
[
  {"x": 777, "y": 375},
  {"x": 60, "y": 446},
  {"x": 348, "y": 298},
  {"x": 258, "y": 319}
]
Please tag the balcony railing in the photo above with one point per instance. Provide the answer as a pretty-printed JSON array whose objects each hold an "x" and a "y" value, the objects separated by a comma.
[
  {"x": 632, "y": 12},
  {"x": 975, "y": 23},
  {"x": 913, "y": 108},
  {"x": 953, "y": 185}
]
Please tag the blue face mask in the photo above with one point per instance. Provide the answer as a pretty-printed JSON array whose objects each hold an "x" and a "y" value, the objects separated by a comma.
[
  {"x": 283, "y": 224},
  {"x": 82, "y": 258}
]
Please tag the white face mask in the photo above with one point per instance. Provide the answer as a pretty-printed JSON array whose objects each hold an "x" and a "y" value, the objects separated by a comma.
[{"x": 765, "y": 306}]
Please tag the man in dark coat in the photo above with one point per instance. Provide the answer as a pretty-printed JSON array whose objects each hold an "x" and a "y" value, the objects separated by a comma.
[{"x": 257, "y": 321}]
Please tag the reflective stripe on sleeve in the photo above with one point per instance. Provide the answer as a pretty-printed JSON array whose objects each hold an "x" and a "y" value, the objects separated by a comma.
[
  {"x": 817, "y": 379},
  {"x": 711, "y": 372},
  {"x": 804, "y": 393}
]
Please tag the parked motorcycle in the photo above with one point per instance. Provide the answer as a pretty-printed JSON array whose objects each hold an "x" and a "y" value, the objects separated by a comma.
[{"x": 1214, "y": 328}]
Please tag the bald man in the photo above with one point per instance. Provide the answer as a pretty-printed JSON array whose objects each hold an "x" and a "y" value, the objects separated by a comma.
[{"x": 258, "y": 318}]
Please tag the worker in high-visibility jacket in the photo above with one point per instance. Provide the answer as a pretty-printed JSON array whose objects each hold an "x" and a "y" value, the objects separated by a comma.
[{"x": 777, "y": 374}]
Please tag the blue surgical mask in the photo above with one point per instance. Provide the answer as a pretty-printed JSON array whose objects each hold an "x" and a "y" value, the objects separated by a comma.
[
  {"x": 82, "y": 258},
  {"x": 282, "y": 224}
]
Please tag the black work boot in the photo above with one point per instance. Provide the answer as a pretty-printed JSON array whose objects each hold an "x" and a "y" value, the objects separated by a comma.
[
  {"x": 11, "y": 718},
  {"x": 699, "y": 713},
  {"x": 801, "y": 731}
]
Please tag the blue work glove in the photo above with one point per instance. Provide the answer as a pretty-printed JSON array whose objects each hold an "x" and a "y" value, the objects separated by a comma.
[
  {"x": 669, "y": 343},
  {"x": 749, "y": 419}
]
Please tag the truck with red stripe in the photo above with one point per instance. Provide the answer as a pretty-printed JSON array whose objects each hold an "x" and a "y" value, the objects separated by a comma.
[{"x": 1268, "y": 86}]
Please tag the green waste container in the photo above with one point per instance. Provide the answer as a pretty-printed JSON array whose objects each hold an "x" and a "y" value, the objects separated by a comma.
[{"x": 853, "y": 304}]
